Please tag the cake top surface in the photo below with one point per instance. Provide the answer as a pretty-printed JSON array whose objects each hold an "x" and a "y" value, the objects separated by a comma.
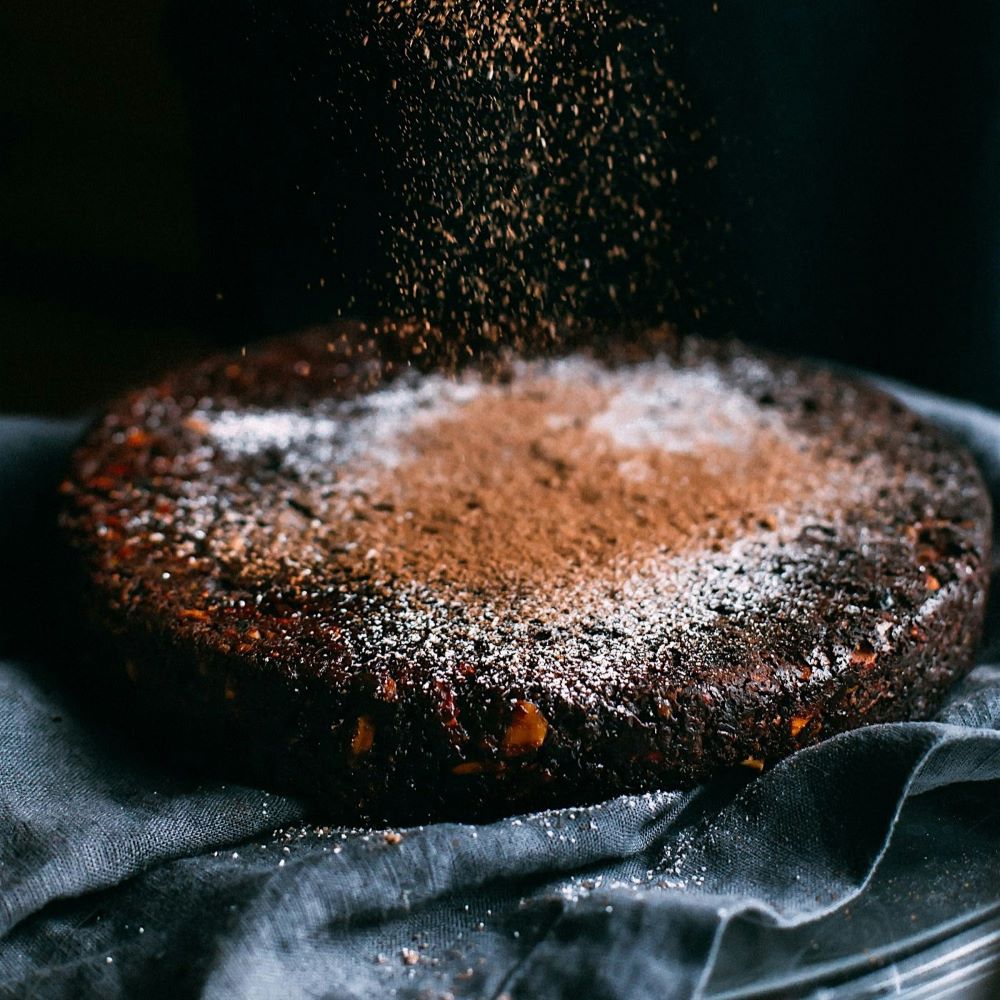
[{"x": 673, "y": 513}]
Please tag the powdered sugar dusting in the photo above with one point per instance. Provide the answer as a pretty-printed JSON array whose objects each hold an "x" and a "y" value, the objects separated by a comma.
[
  {"x": 586, "y": 640},
  {"x": 560, "y": 532},
  {"x": 666, "y": 409},
  {"x": 652, "y": 405},
  {"x": 436, "y": 491},
  {"x": 368, "y": 430}
]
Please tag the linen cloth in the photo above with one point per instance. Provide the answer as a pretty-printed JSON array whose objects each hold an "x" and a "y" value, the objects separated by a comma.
[{"x": 119, "y": 877}]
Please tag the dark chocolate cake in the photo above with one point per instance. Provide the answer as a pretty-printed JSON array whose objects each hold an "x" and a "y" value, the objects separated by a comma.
[{"x": 412, "y": 596}]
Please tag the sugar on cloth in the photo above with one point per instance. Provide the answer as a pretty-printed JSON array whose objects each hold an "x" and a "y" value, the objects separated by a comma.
[{"x": 119, "y": 877}]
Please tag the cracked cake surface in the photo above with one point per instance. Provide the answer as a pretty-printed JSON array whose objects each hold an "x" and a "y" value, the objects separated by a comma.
[{"x": 412, "y": 595}]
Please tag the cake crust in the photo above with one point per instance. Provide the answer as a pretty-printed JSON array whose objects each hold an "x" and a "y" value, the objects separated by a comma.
[{"x": 409, "y": 596}]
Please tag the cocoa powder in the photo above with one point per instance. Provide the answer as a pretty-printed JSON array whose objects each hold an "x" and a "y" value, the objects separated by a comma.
[{"x": 546, "y": 479}]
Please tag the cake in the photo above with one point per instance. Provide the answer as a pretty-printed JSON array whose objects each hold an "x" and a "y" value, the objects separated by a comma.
[{"x": 409, "y": 595}]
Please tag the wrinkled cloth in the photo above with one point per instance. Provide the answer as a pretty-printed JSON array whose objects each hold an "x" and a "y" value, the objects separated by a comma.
[{"x": 120, "y": 877}]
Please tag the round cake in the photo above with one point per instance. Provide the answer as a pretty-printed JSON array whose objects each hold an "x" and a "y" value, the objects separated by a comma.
[{"x": 410, "y": 595}]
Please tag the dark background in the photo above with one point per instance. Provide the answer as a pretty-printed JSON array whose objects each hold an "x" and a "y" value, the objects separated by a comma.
[{"x": 153, "y": 154}]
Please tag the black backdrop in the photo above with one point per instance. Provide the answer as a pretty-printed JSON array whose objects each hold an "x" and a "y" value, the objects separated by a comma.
[{"x": 153, "y": 158}]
